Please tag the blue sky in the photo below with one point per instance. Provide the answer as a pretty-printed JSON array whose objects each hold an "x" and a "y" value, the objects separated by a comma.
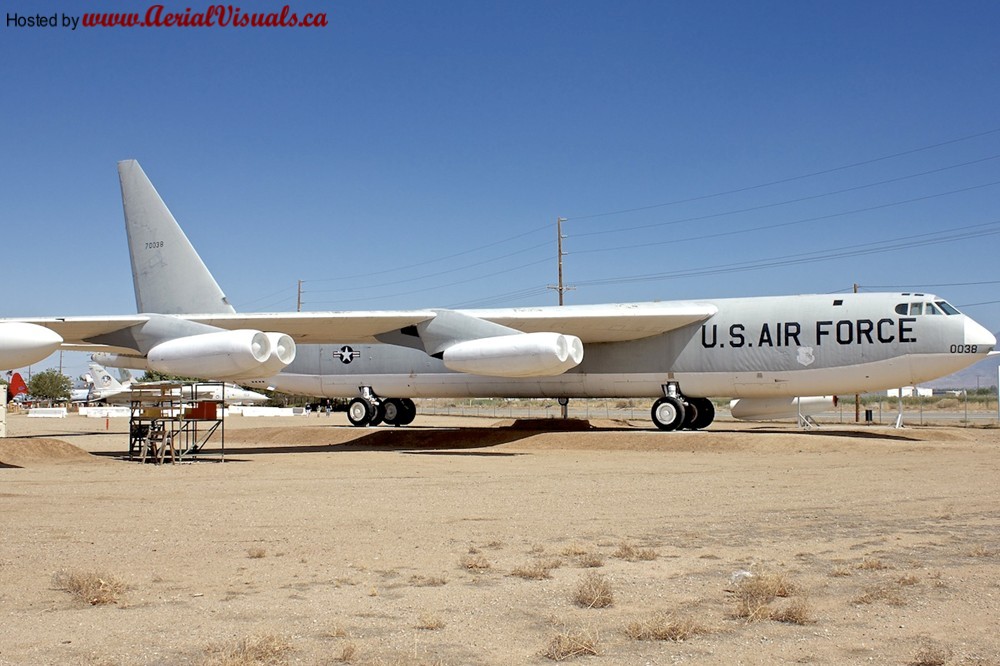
[{"x": 417, "y": 154}]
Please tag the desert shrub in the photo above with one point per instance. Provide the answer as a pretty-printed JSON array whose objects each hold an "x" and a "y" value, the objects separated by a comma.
[{"x": 594, "y": 591}]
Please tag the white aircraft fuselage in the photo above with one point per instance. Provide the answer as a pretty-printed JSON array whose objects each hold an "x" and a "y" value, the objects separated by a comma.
[{"x": 751, "y": 347}]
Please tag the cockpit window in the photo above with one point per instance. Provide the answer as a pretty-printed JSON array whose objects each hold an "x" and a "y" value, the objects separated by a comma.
[
  {"x": 935, "y": 308},
  {"x": 948, "y": 308}
]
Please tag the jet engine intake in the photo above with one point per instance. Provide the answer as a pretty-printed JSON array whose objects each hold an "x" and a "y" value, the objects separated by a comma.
[
  {"x": 23, "y": 344},
  {"x": 282, "y": 354},
  {"x": 522, "y": 355},
  {"x": 769, "y": 409},
  {"x": 222, "y": 355}
]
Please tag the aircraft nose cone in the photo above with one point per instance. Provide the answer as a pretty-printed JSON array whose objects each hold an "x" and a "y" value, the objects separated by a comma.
[{"x": 976, "y": 334}]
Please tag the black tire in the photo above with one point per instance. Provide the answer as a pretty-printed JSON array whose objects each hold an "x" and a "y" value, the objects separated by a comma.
[
  {"x": 706, "y": 413},
  {"x": 668, "y": 413},
  {"x": 393, "y": 411},
  {"x": 360, "y": 412},
  {"x": 690, "y": 415},
  {"x": 408, "y": 413},
  {"x": 378, "y": 413}
]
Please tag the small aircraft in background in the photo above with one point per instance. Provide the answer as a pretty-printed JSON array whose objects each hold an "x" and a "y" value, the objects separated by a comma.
[
  {"x": 101, "y": 386},
  {"x": 226, "y": 393},
  {"x": 17, "y": 390}
]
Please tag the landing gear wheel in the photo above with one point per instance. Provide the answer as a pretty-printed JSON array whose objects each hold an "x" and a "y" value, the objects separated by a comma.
[
  {"x": 690, "y": 415},
  {"x": 705, "y": 413},
  {"x": 407, "y": 413},
  {"x": 395, "y": 412},
  {"x": 378, "y": 409},
  {"x": 360, "y": 412},
  {"x": 668, "y": 413}
]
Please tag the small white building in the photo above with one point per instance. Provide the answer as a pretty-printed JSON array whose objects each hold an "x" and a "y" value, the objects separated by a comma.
[{"x": 910, "y": 392}]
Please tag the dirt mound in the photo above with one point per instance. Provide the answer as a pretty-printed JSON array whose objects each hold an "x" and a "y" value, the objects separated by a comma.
[
  {"x": 546, "y": 425},
  {"x": 30, "y": 452}
]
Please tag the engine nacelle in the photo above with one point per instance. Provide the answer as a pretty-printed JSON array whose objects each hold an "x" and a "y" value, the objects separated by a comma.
[
  {"x": 221, "y": 355},
  {"x": 23, "y": 344},
  {"x": 769, "y": 409},
  {"x": 282, "y": 354},
  {"x": 523, "y": 355}
]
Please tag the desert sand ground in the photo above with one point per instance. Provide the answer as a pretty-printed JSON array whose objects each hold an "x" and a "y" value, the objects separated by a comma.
[{"x": 465, "y": 541}]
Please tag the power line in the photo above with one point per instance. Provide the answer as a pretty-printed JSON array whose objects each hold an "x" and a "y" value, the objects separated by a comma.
[
  {"x": 416, "y": 278},
  {"x": 788, "y": 201},
  {"x": 778, "y": 225},
  {"x": 450, "y": 284},
  {"x": 439, "y": 259},
  {"x": 789, "y": 179},
  {"x": 950, "y": 236}
]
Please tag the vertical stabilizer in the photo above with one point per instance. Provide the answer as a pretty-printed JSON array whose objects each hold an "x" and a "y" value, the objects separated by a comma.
[
  {"x": 168, "y": 275},
  {"x": 102, "y": 379},
  {"x": 16, "y": 387}
]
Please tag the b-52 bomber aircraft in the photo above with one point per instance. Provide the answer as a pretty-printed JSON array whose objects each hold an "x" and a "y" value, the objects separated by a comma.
[{"x": 678, "y": 353}]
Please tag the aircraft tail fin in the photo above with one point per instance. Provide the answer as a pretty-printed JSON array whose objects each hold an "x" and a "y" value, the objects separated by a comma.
[
  {"x": 168, "y": 275},
  {"x": 16, "y": 387},
  {"x": 102, "y": 379}
]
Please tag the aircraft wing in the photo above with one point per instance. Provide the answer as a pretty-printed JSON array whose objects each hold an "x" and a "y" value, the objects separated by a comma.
[
  {"x": 614, "y": 322},
  {"x": 320, "y": 327},
  {"x": 597, "y": 323},
  {"x": 591, "y": 323}
]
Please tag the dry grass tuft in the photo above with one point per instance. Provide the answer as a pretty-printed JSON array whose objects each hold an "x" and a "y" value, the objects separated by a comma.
[
  {"x": 627, "y": 551},
  {"x": 265, "y": 650},
  {"x": 662, "y": 627},
  {"x": 567, "y": 645},
  {"x": 256, "y": 553},
  {"x": 91, "y": 588},
  {"x": 590, "y": 560},
  {"x": 348, "y": 653},
  {"x": 872, "y": 564},
  {"x": 930, "y": 655},
  {"x": 875, "y": 593},
  {"x": 428, "y": 581},
  {"x": 980, "y": 550},
  {"x": 337, "y": 631},
  {"x": 594, "y": 591},
  {"x": 429, "y": 622},
  {"x": 575, "y": 550},
  {"x": 797, "y": 612},
  {"x": 754, "y": 593},
  {"x": 537, "y": 570},
  {"x": 475, "y": 563}
]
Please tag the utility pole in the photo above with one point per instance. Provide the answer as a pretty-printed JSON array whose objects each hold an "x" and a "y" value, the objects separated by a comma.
[
  {"x": 298, "y": 300},
  {"x": 857, "y": 396},
  {"x": 560, "y": 288}
]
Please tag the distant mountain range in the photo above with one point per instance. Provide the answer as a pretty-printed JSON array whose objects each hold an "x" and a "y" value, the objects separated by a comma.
[{"x": 980, "y": 375}]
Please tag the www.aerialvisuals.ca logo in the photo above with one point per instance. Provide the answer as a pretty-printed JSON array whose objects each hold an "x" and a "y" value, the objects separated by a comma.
[{"x": 158, "y": 16}]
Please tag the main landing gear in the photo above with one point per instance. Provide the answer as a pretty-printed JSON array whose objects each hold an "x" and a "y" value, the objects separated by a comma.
[
  {"x": 675, "y": 412},
  {"x": 370, "y": 410}
]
